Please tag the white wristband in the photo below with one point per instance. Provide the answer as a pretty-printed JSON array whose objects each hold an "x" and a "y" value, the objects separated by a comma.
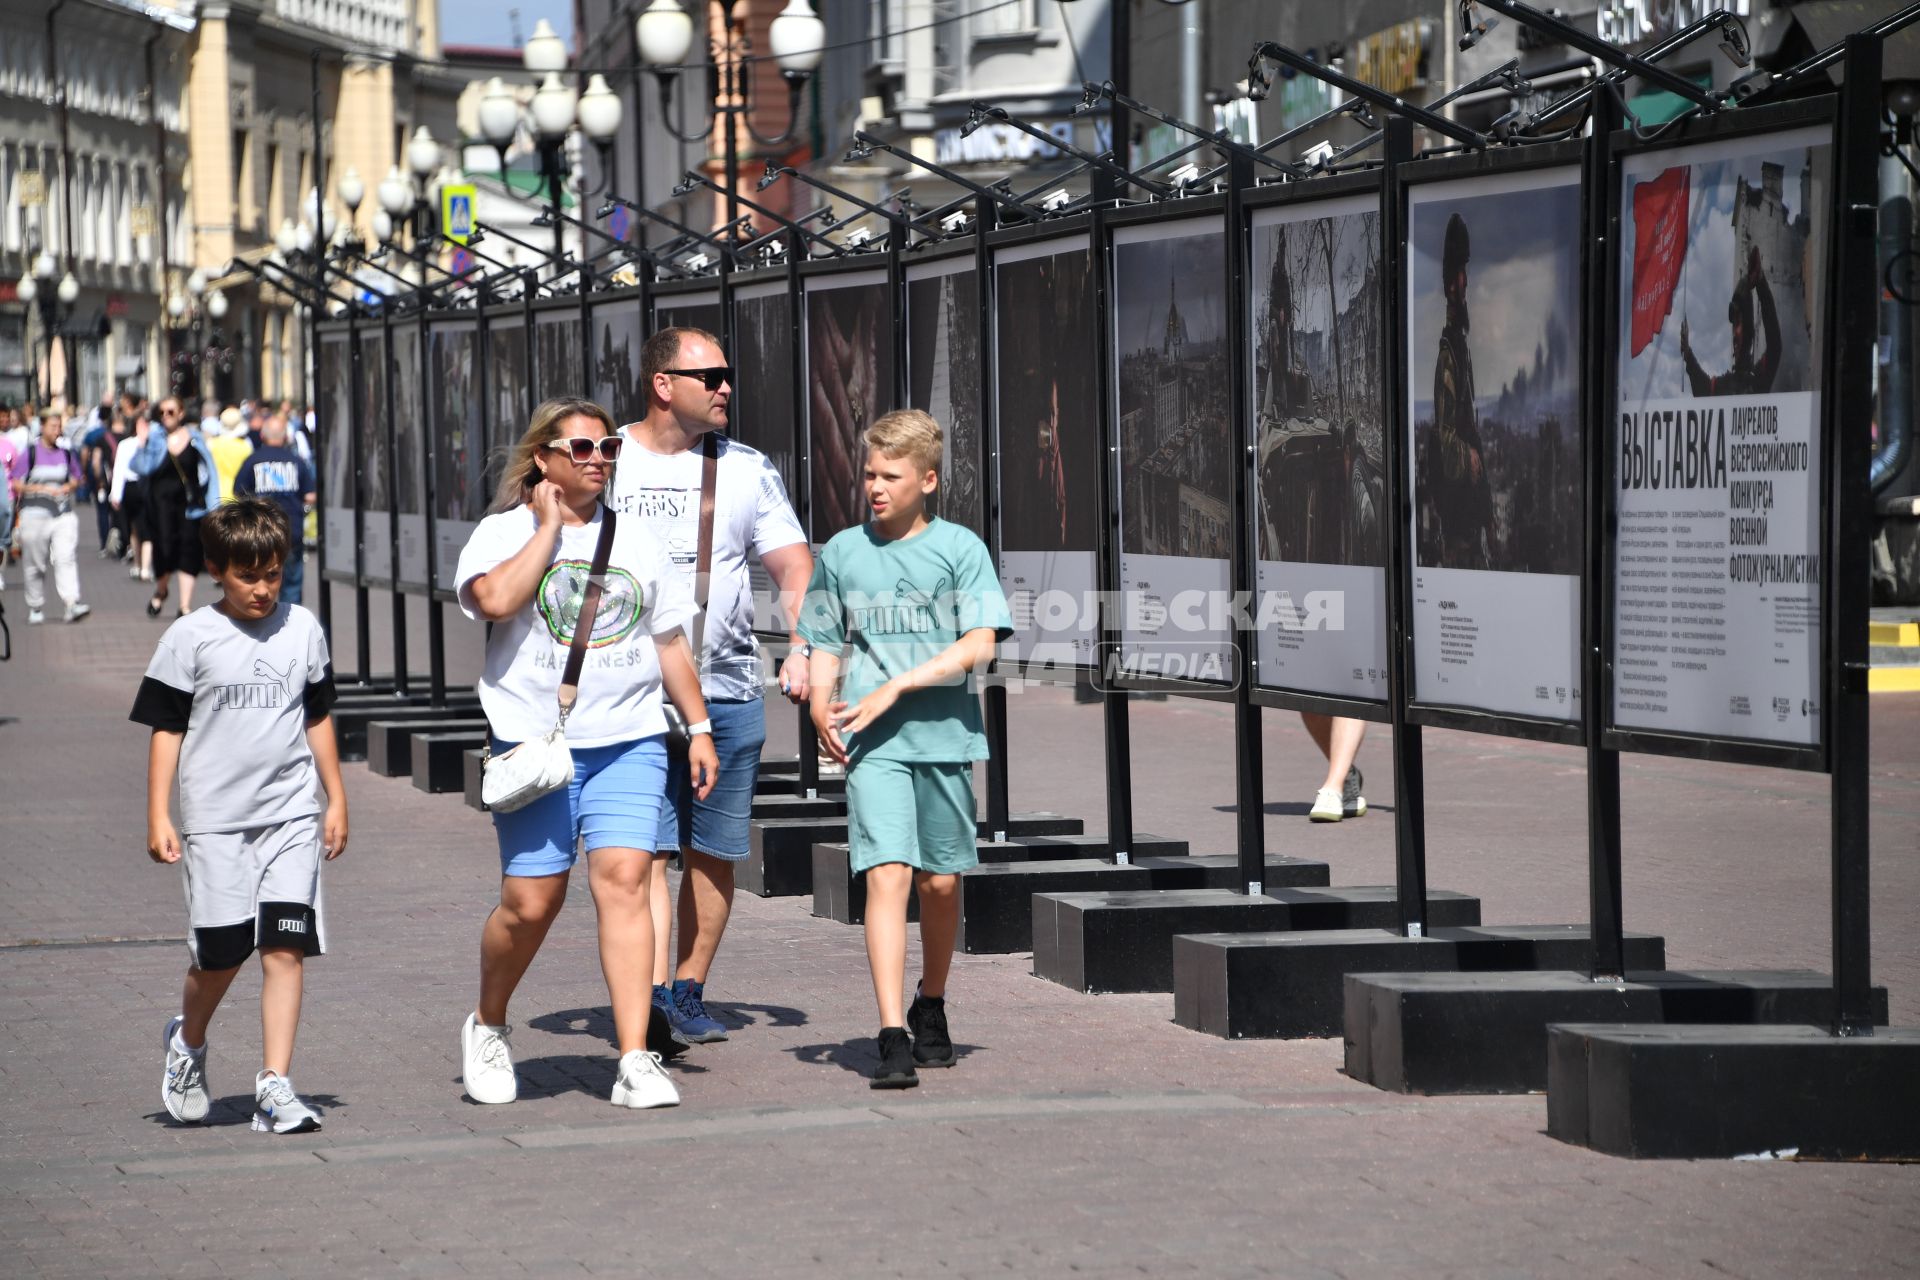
[{"x": 700, "y": 726}]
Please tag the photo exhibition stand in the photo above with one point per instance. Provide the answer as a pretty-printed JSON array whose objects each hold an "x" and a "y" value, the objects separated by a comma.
[{"x": 1182, "y": 435}]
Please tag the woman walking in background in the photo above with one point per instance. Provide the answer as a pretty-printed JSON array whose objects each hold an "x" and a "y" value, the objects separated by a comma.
[{"x": 181, "y": 483}]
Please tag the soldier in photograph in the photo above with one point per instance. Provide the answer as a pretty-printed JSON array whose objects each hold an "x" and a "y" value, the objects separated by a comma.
[
  {"x": 1456, "y": 469},
  {"x": 1748, "y": 376}
]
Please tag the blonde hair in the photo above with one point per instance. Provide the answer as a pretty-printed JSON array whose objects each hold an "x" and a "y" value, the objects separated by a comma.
[
  {"x": 521, "y": 473},
  {"x": 908, "y": 433}
]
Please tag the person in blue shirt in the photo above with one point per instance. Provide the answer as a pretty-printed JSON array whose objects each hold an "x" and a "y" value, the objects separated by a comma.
[
  {"x": 900, "y": 612},
  {"x": 276, "y": 471}
]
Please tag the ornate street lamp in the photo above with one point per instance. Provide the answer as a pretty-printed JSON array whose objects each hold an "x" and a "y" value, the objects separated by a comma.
[{"x": 798, "y": 40}]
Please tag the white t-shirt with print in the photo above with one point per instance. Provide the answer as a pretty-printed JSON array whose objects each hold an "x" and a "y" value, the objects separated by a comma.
[
  {"x": 242, "y": 692},
  {"x": 620, "y": 680},
  {"x": 750, "y": 511}
]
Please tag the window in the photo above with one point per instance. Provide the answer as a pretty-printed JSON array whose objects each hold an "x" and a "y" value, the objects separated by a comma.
[
  {"x": 276, "y": 188},
  {"x": 998, "y": 18},
  {"x": 242, "y": 196},
  {"x": 885, "y": 19}
]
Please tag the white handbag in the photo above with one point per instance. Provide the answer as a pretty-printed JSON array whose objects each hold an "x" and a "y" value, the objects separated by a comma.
[{"x": 540, "y": 766}]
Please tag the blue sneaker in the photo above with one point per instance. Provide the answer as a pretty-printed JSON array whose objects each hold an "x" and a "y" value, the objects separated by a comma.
[
  {"x": 662, "y": 1038},
  {"x": 691, "y": 1021}
]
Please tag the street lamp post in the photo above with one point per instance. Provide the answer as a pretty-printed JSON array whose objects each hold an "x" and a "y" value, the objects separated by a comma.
[
  {"x": 554, "y": 113},
  {"x": 798, "y": 39}
]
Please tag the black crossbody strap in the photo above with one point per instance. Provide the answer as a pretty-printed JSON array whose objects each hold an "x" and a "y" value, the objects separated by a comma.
[
  {"x": 589, "y": 606},
  {"x": 703, "y": 564}
]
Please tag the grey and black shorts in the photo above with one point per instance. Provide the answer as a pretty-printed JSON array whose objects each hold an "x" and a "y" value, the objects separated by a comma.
[{"x": 254, "y": 888}]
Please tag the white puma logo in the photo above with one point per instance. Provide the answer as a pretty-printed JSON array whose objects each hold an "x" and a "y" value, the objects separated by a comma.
[{"x": 261, "y": 667}]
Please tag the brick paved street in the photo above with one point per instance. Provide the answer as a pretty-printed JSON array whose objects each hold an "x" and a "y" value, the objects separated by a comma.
[{"x": 1082, "y": 1135}]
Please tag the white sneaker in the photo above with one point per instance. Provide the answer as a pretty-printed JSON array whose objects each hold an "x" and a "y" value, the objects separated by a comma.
[
  {"x": 1326, "y": 806},
  {"x": 643, "y": 1083},
  {"x": 486, "y": 1063},
  {"x": 78, "y": 611},
  {"x": 133, "y": 571},
  {"x": 184, "y": 1088},
  {"x": 35, "y": 617},
  {"x": 278, "y": 1109}
]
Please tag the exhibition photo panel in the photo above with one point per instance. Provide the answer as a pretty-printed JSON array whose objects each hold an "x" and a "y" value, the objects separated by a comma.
[
  {"x": 850, "y": 382},
  {"x": 333, "y": 379},
  {"x": 508, "y": 410},
  {"x": 1496, "y": 448},
  {"x": 409, "y": 459},
  {"x": 762, "y": 413},
  {"x": 1319, "y": 432},
  {"x": 1047, "y": 419},
  {"x": 1173, "y": 386},
  {"x": 376, "y": 491},
  {"x": 556, "y": 351},
  {"x": 615, "y": 357},
  {"x": 459, "y": 447},
  {"x": 691, "y": 311},
  {"x": 943, "y": 378},
  {"x": 1717, "y": 440}
]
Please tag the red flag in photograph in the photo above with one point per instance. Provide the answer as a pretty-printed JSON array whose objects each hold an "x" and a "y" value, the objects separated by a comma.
[{"x": 1659, "y": 249}]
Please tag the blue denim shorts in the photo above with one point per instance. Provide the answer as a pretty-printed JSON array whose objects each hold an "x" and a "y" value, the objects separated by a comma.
[
  {"x": 720, "y": 822},
  {"x": 613, "y": 803}
]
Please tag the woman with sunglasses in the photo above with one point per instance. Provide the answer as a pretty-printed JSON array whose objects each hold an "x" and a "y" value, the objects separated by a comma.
[
  {"x": 525, "y": 570},
  {"x": 181, "y": 484}
]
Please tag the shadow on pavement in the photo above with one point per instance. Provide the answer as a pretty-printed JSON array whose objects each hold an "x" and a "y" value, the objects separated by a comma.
[
  {"x": 778, "y": 1015},
  {"x": 860, "y": 1054},
  {"x": 238, "y": 1109}
]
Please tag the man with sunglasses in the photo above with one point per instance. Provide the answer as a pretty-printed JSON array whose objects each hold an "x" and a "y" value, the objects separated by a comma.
[{"x": 688, "y": 388}]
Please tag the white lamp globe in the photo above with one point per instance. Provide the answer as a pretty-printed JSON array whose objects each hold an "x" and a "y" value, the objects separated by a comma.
[
  {"x": 176, "y": 305},
  {"x": 499, "y": 113},
  {"x": 351, "y": 189},
  {"x": 217, "y": 305},
  {"x": 286, "y": 239},
  {"x": 798, "y": 38},
  {"x": 303, "y": 236},
  {"x": 44, "y": 266},
  {"x": 197, "y": 283},
  {"x": 553, "y": 108},
  {"x": 382, "y": 225},
  {"x": 599, "y": 110},
  {"x": 545, "y": 51},
  {"x": 27, "y": 290},
  {"x": 396, "y": 194},
  {"x": 423, "y": 152},
  {"x": 69, "y": 291},
  {"x": 665, "y": 33}
]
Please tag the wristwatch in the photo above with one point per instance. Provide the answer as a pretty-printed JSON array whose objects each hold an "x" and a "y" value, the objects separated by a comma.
[
  {"x": 805, "y": 650},
  {"x": 701, "y": 726}
]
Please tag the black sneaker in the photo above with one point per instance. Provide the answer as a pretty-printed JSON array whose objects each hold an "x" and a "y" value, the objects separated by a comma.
[
  {"x": 896, "y": 1061},
  {"x": 927, "y": 1022},
  {"x": 1352, "y": 803}
]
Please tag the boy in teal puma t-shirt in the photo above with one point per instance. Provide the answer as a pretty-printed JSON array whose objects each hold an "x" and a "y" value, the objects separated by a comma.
[{"x": 912, "y": 606}]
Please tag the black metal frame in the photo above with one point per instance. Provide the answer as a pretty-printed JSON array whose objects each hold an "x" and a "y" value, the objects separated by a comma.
[
  {"x": 377, "y": 329},
  {"x": 1076, "y": 233},
  {"x": 1747, "y": 122},
  {"x": 1196, "y": 210},
  {"x": 819, "y": 269},
  {"x": 1462, "y": 168},
  {"x": 1292, "y": 195},
  {"x": 417, "y": 326},
  {"x": 439, "y": 323},
  {"x": 325, "y": 332}
]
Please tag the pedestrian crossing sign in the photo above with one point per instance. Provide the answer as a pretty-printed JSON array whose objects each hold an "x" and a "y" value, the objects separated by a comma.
[{"x": 456, "y": 211}]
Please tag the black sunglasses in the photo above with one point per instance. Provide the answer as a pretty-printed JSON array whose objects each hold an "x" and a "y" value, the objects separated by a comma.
[
  {"x": 582, "y": 448},
  {"x": 712, "y": 379}
]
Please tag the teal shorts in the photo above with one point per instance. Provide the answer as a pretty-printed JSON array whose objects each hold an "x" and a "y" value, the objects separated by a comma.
[{"x": 912, "y": 812}]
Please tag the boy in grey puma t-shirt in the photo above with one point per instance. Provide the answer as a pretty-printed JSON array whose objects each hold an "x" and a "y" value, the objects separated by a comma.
[{"x": 239, "y": 696}]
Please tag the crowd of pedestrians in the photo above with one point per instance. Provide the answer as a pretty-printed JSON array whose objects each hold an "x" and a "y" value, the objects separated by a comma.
[{"x": 148, "y": 472}]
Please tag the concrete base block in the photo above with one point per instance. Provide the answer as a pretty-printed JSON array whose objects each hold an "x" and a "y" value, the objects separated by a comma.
[
  {"x": 1124, "y": 941},
  {"x": 1711, "y": 1092},
  {"x": 1487, "y": 1032},
  {"x": 1290, "y": 985}
]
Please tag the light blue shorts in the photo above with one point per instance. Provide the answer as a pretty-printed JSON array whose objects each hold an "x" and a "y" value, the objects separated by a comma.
[
  {"x": 613, "y": 803},
  {"x": 912, "y": 812},
  {"x": 720, "y": 823}
]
